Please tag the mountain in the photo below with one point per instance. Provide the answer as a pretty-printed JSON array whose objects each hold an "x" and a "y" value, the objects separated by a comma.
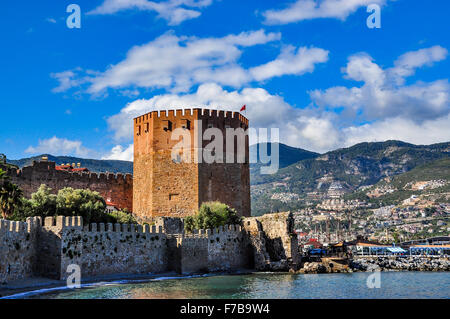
[
  {"x": 431, "y": 180},
  {"x": 287, "y": 155},
  {"x": 93, "y": 165},
  {"x": 338, "y": 172}
]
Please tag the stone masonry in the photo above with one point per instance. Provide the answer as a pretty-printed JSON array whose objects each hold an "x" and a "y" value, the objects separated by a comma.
[{"x": 46, "y": 248}]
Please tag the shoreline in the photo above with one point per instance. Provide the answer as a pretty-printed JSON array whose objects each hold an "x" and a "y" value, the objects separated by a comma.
[
  {"x": 38, "y": 285},
  {"x": 24, "y": 288}
]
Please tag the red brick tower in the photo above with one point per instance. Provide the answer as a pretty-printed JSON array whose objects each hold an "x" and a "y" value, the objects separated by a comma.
[{"x": 163, "y": 186}]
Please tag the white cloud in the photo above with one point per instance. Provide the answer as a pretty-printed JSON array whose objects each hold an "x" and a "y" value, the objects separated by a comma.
[
  {"x": 59, "y": 146},
  {"x": 384, "y": 94},
  {"x": 407, "y": 63},
  {"x": 71, "y": 79},
  {"x": 120, "y": 153},
  {"x": 177, "y": 63},
  {"x": 399, "y": 128},
  {"x": 314, "y": 9},
  {"x": 264, "y": 109},
  {"x": 174, "y": 11},
  {"x": 291, "y": 62},
  {"x": 416, "y": 113}
]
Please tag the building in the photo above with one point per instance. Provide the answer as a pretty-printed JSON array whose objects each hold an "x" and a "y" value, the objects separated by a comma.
[{"x": 176, "y": 185}]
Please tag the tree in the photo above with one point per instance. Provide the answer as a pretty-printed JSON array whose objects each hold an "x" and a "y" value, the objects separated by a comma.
[
  {"x": 212, "y": 215},
  {"x": 121, "y": 217},
  {"x": 10, "y": 196},
  {"x": 81, "y": 202},
  {"x": 43, "y": 202}
]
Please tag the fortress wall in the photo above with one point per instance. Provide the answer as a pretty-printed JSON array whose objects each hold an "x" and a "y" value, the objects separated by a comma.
[
  {"x": 194, "y": 254},
  {"x": 228, "y": 249},
  {"x": 116, "y": 187},
  {"x": 280, "y": 240},
  {"x": 17, "y": 249},
  {"x": 101, "y": 249}
]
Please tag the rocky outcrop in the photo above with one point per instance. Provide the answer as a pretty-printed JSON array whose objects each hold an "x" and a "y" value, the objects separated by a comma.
[{"x": 413, "y": 263}]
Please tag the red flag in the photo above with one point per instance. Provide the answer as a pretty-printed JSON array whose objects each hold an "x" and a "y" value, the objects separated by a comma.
[{"x": 243, "y": 108}]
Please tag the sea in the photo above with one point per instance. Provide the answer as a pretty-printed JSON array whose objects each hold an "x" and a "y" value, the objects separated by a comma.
[{"x": 359, "y": 285}]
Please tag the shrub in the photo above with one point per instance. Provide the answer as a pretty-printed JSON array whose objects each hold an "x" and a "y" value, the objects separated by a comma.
[
  {"x": 212, "y": 215},
  {"x": 121, "y": 217}
]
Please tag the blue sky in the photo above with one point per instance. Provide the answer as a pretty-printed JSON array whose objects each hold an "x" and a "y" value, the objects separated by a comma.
[{"x": 311, "y": 68}]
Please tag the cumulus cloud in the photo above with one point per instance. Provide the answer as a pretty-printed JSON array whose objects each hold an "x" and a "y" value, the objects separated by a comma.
[
  {"x": 416, "y": 113},
  {"x": 174, "y": 11},
  {"x": 178, "y": 63},
  {"x": 314, "y": 9},
  {"x": 384, "y": 93},
  {"x": 59, "y": 146},
  {"x": 291, "y": 62},
  {"x": 120, "y": 153},
  {"x": 71, "y": 79}
]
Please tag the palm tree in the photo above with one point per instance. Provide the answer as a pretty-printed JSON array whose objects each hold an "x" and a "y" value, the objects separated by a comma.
[{"x": 10, "y": 196}]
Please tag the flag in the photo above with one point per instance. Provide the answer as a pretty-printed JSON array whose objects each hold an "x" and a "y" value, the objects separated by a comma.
[{"x": 243, "y": 108}]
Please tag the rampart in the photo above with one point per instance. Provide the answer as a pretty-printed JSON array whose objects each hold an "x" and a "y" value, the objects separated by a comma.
[
  {"x": 114, "y": 188},
  {"x": 18, "y": 248}
]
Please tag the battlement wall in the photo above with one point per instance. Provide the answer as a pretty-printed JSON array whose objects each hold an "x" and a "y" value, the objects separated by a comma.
[
  {"x": 162, "y": 114},
  {"x": 117, "y": 188},
  {"x": 17, "y": 248},
  {"x": 221, "y": 249}
]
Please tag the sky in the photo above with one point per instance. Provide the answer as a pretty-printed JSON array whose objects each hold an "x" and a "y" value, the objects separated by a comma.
[{"x": 312, "y": 68}]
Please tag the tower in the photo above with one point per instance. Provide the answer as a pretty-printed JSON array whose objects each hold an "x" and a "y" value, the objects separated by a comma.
[{"x": 168, "y": 185}]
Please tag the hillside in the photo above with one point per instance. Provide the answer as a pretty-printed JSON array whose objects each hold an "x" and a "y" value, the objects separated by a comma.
[
  {"x": 431, "y": 179},
  {"x": 288, "y": 155},
  {"x": 338, "y": 172}
]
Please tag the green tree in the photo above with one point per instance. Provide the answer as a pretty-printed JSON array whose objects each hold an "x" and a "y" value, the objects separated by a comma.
[
  {"x": 212, "y": 215},
  {"x": 81, "y": 202},
  {"x": 121, "y": 217},
  {"x": 43, "y": 202},
  {"x": 10, "y": 196}
]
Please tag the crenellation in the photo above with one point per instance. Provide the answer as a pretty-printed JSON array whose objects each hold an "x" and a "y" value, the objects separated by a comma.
[{"x": 34, "y": 249}]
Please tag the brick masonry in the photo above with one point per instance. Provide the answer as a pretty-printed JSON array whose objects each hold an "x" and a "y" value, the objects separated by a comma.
[
  {"x": 118, "y": 188},
  {"x": 163, "y": 187}
]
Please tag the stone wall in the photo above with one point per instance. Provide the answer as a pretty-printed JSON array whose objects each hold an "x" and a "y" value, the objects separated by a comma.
[
  {"x": 222, "y": 249},
  {"x": 47, "y": 249},
  {"x": 274, "y": 241},
  {"x": 117, "y": 188},
  {"x": 17, "y": 249}
]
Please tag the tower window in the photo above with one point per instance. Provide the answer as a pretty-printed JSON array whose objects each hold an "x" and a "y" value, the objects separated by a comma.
[
  {"x": 138, "y": 130},
  {"x": 186, "y": 124},
  {"x": 147, "y": 127},
  {"x": 167, "y": 125}
]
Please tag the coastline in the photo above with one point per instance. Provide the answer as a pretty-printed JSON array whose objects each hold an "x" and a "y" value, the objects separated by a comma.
[{"x": 37, "y": 286}]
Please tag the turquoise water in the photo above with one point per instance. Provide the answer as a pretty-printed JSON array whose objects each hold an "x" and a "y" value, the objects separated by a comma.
[{"x": 273, "y": 286}]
